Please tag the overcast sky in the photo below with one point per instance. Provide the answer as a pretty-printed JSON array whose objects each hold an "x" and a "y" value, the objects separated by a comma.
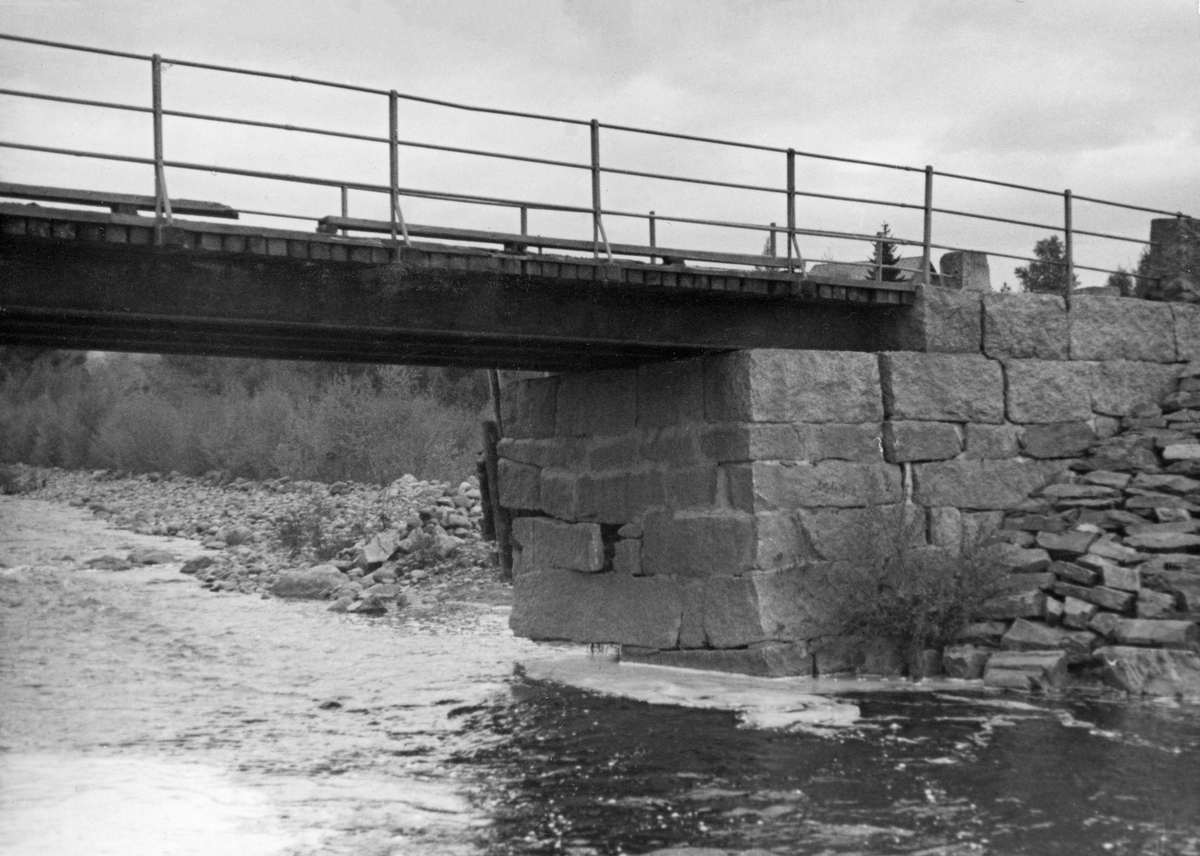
[{"x": 1100, "y": 96}]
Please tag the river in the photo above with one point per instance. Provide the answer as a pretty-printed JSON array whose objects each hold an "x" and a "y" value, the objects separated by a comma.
[{"x": 140, "y": 713}]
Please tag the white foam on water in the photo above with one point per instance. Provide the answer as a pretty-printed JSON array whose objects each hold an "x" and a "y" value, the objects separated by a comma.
[
  {"x": 65, "y": 805},
  {"x": 777, "y": 703}
]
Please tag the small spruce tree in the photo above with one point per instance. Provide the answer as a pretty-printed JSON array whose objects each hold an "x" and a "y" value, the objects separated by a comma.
[{"x": 884, "y": 255}]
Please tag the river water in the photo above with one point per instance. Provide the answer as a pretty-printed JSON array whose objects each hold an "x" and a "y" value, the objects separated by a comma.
[{"x": 142, "y": 714}]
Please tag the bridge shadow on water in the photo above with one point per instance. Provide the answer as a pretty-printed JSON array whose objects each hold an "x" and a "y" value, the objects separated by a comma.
[{"x": 567, "y": 771}]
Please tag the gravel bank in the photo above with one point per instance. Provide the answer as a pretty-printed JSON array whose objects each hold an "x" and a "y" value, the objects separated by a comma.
[{"x": 410, "y": 543}]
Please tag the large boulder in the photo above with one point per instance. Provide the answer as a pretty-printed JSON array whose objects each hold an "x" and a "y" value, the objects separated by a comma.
[
  {"x": 1151, "y": 671},
  {"x": 315, "y": 583},
  {"x": 381, "y": 547},
  {"x": 1032, "y": 670}
]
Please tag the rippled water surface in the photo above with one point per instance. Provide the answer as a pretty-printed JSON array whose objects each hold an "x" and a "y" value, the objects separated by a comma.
[{"x": 140, "y": 713}]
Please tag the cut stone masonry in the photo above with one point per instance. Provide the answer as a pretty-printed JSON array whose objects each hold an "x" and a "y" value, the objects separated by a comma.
[{"x": 684, "y": 510}]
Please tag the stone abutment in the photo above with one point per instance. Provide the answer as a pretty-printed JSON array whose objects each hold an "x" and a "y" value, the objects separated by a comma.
[{"x": 687, "y": 510}]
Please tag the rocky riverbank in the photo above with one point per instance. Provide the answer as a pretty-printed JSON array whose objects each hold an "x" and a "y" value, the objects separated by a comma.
[
  {"x": 367, "y": 548},
  {"x": 1105, "y": 566}
]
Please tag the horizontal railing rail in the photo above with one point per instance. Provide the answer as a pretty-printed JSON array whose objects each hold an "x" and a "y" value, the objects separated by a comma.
[{"x": 792, "y": 260}]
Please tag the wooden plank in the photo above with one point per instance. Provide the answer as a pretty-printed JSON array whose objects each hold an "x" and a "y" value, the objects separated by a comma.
[
  {"x": 508, "y": 239},
  {"x": 123, "y": 203},
  {"x": 482, "y": 236}
]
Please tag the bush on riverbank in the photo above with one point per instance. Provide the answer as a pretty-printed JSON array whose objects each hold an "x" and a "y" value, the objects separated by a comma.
[
  {"x": 913, "y": 597},
  {"x": 254, "y": 419}
]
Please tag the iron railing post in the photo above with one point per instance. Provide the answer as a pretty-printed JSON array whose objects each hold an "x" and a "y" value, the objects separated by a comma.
[
  {"x": 345, "y": 205},
  {"x": 771, "y": 245},
  {"x": 927, "y": 237},
  {"x": 162, "y": 201},
  {"x": 524, "y": 220},
  {"x": 791, "y": 207},
  {"x": 653, "y": 237},
  {"x": 1068, "y": 247},
  {"x": 595, "y": 189},
  {"x": 397, "y": 216},
  {"x": 597, "y": 224}
]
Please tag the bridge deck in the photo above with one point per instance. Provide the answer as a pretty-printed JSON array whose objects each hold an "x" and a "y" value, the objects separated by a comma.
[{"x": 85, "y": 279}]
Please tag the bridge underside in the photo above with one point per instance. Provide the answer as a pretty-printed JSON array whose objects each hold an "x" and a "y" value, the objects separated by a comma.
[{"x": 84, "y": 280}]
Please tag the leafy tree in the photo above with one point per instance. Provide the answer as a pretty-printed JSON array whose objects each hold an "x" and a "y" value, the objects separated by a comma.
[
  {"x": 884, "y": 255},
  {"x": 1121, "y": 281},
  {"x": 1048, "y": 274},
  {"x": 1142, "y": 283},
  {"x": 1135, "y": 283}
]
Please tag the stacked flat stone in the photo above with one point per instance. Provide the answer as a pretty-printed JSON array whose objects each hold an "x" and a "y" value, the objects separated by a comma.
[{"x": 1105, "y": 565}]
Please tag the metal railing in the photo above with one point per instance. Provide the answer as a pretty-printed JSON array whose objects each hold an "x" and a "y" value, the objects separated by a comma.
[{"x": 793, "y": 261}]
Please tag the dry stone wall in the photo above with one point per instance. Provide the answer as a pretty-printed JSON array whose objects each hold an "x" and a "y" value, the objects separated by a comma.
[{"x": 683, "y": 509}]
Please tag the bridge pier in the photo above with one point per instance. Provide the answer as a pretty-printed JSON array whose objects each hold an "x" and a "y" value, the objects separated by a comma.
[{"x": 690, "y": 511}]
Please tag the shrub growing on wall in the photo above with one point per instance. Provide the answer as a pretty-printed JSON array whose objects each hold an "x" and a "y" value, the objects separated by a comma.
[{"x": 914, "y": 597}]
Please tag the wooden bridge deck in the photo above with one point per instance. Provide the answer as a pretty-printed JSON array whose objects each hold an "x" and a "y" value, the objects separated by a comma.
[{"x": 74, "y": 278}]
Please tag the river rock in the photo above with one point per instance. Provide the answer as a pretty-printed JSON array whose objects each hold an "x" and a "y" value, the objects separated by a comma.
[
  {"x": 1074, "y": 573},
  {"x": 1184, "y": 585},
  {"x": 1154, "y": 604},
  {"x": 417, "y": 539},
  {"x": 1151, "y": 671},
  {"x": 1065, "y": 545},
  {"x": 235, "y": 535},
  {"x": 1106, "y": 548},
  {"x": 1181, "y": 485},
  {"x": 194, "y": 566},
  {"x": 1079, "y": 491},
  {"x": 1102, "y": 596},
  {"x": 1077, "y": 613},
  {"x": 1104, "y": 624},
  {"x": 444, "y": 543},
  {"x": 1123, "y": 579},
  {"x": 965, "y": 661},
  {"x": 385, "y": 574},
  {"x": 311, "y": 584},
  {"x": 1031, "y": 636},
  {"x": 1026, "y": 670},
  {"x": 1026, "y": 604},
  {"x": 1019, "y": 559},
  {"x": 982, "y": 633},
  {"x": 1156, "y": 633},
  {"x": 1107, "y": 478},
  {"x": 381, "y": 547},
  {"x": 109, "y": 563},
  {"x": 1182, "y": 452},
  {"x": 370, "y": 604},
  {"x": 1156, "y": 501},
  {"x": 151, "y": 556},
  {"x": 1187, "y": 526},
  {"x": 1163, "y": 542}
]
